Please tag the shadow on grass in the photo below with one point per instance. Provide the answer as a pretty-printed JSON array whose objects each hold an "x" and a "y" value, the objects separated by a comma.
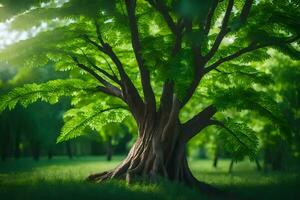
[{"x": 108, "y": 190}]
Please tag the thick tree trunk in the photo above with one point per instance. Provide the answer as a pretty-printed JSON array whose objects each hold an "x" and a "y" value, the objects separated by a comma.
[{"x": 159, "y": 151}]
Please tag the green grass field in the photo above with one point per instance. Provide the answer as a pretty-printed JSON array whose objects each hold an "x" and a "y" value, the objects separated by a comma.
[{"x": 62, "y": 178}]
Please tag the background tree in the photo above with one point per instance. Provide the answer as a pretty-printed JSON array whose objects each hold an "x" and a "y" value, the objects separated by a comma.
[{"x": 150, "y": 59}]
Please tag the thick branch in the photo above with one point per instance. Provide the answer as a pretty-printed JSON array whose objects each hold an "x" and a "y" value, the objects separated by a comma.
[
  {"x": 198, "y": 59},
  {"x": 250, "y": 48},
  {"x": 106, "y": 91},
  {"x": 246, "y": 10},
  {"x": 210, "y": 16},
  {"x": 105, "y": 73},
  {"x": 198, "y": 122},
  {"x": 145, "y": 75},
  {"x": 107, "y": 49},
  {"x": 108, "y": 87},
  {"x": 224, "y": 30},
  {"x": 99, "y": 36},
  {"x": 130, "y": 92},
  {"x": 168, "y": 87},
  {"x": 163, "y": 10}
]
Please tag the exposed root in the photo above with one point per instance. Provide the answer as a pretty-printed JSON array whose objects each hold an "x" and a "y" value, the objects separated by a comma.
[
  {"x": 148, "y": 161},
  {"x": 98, "y": 177}
]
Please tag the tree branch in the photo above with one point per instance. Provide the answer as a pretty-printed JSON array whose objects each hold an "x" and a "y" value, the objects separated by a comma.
[
  {"x": 198, "y": 122},
  {"x": 105, "y": 73},
  {"x": 210, "y": 16},
  {"x": 199, "y": 59},
  {"x": 129, "y": 91},
  {"x": 108, "y": 87},
  {"x": 224, "y": 30},
  {"x": 253, "y": 46},
  {"x": 163, "y": 10},
  {"x": 246, "y": 10},
  {"x": 145, "y": 75}
]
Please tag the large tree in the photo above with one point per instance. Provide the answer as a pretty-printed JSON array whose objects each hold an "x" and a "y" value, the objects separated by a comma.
[{"x": 149, "y": 59}]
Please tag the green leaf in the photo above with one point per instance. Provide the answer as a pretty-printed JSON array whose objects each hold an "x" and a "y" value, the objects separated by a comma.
[
  {"x": 239, "y": 139},
  {"x": 48, "y": 92},
  {"x": 94, "y": 116}
]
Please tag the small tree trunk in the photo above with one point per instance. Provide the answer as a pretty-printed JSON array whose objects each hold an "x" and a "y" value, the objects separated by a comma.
[
  {"x": 35, "y": 150},
  {"x": 5, "y": 142},
  {"x": 17, "y": 151},
  {"x": 50, "y": 154},
  {"x": 258, "y": 166},
  {"x": 109, "y": 149},
  {"x": 231, "y": 166},
  {"x": 69, "y": 150},
  {"x": 216, "y": 157}
]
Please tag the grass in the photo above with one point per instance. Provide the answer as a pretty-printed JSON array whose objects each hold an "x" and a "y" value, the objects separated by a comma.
[{"x": 62, "y": 178}]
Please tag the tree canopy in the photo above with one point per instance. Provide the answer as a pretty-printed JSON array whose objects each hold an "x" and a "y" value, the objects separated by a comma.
[{"x": 171, "y": 64}]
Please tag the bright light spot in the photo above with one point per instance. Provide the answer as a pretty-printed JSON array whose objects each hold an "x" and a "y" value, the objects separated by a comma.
[
  {"x": 108, "y": 21},
  {"x": 23, "y": 35},
  {"x": 228, "y": 40},
  {"x": 9, "y": 36},
  {"x": 44, "y": 25},
  {"x": 153, "y": 28}
]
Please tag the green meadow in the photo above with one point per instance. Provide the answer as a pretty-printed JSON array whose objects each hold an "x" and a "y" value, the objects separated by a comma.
[{"x": 63, "y": 178}]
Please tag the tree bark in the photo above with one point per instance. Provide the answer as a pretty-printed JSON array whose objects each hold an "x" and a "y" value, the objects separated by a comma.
[{"x": 159, "y": 151}]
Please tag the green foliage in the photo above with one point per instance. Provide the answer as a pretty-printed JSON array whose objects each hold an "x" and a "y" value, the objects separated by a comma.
[
  {"x": 71, "y": 26},
  {"x": 95, "y": 116},
  {"x": 249, "y": 99},
  {"x": 239, "y": 139},
  {"x": 48, "y": 92}
]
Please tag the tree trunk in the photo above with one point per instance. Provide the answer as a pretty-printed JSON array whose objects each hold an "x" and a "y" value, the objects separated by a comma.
[
  {"x": 258, "y": 166},
  {"x": 35, "y": 148},
  {"x": 109, "y": 149},
  {"x": 69, "y": 150},
  {"x": 17, "y": 151},
  {"x": 50, "y": 154},
  {"x": 216, "y": 157},
  {"x": 159, "y": 151},
  {"x": 231, "y": 166}
]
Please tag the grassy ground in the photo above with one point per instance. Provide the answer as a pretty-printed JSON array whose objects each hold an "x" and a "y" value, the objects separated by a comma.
[{"x": 62, "y": 178}]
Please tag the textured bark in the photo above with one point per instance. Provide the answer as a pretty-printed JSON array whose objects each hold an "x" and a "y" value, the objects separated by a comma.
[{"x": 159, "y": 151}]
